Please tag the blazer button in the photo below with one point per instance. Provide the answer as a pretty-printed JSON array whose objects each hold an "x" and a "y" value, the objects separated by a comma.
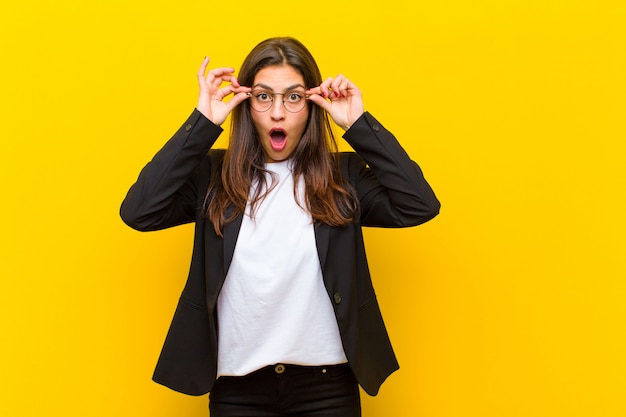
[
  {"x": 376, "y": 128},
  {"x": 188, "y": 127},
  {"x": 337, "y": 297}
]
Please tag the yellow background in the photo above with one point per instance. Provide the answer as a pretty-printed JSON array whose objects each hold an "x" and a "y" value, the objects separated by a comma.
[{"x": 510, "y": 303}]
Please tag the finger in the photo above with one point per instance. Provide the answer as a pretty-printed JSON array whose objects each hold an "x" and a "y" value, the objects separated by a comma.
[
  {"x": 242, "y": 89},
  {"x": 216, "y": 75},
  {"x": 351, "y": 88},
  {"x": 315, "y": 90},
  {"x": 343, "y": 86},
  {"x": 237, "y": 99},
  {"x": 230, "y": 89},
  {"x": 224, "y": 92},
  {"x": 343, "y": 89},
  {"x": 230, "y": 79},
  {"x": 203, "y": 66},
  {"x": 326, "y": 87},
  {"x": 320, "y": 101},
  {"x": 219, "y": 72},
  {"x": 338, "y": 86}
]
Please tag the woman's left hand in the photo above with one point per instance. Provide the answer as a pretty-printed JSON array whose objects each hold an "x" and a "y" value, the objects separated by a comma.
[{"x": 340, "y": 98}]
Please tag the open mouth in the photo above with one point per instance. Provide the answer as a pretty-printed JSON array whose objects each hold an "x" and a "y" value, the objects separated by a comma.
[{"x": 278, "y": 139}]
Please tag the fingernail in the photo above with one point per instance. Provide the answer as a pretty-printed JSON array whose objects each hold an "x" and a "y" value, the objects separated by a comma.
[
  {"x": 323, "y": 94},
  {"x": 336, "y": 94}
]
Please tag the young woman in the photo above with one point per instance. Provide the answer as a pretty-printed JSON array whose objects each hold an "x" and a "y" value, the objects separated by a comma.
[{"x": 278, "y": 316}]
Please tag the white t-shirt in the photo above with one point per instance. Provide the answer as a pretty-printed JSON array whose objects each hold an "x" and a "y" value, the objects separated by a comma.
[{"x": 273, "y": 307}]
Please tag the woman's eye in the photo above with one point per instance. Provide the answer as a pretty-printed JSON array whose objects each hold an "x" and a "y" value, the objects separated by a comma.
[
  {"x": 263, "y": 97},
  {"x": 294, "y": 97}
]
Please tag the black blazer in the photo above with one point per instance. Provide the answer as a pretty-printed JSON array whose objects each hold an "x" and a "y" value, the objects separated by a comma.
[{"x": 170, "y": 190}]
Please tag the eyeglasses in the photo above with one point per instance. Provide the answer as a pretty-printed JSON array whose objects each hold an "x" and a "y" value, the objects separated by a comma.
[{"x": 262, "y": 100}]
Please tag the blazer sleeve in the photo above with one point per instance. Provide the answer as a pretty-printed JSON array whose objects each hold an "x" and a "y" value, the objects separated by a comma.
[
  {"x": 391, "y": 188},
  {"x": 166, "y": 192}
]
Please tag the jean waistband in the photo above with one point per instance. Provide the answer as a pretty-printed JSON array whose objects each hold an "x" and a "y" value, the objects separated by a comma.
[{"x": 290, "y": 369}]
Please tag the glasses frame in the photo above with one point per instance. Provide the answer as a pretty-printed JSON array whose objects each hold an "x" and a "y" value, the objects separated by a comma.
[{"x": 271, "y": 103}]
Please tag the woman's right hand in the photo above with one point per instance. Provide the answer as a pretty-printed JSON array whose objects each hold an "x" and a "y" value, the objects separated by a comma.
[{"x": 211, "y": 97}]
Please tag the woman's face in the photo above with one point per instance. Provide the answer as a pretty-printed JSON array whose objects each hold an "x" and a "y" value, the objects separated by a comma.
[{"x": 279, "y": 130}]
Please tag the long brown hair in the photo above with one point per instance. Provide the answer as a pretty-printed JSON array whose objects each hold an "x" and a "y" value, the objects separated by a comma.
[{"x": 315, "y": 158}]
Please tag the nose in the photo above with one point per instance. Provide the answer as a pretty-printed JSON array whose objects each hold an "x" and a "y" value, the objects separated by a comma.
[{"x": 277, "y": 111}]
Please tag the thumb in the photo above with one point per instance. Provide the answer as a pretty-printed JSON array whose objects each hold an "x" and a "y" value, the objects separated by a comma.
[{"x": 237, "y": 99}]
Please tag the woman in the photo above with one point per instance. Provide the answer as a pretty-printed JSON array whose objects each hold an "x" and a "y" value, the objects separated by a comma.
[{"x": 278, "y": 315}]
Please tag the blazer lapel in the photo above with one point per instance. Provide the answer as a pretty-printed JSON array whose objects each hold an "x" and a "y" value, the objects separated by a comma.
[
  {"x": 231, "y": 232},
  {"x": 322, "y": 239}
]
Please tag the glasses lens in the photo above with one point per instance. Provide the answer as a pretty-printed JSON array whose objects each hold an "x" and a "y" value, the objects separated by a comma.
[
  {"x": 294, "y": 101},
  {"x": 261, "y": 100}
]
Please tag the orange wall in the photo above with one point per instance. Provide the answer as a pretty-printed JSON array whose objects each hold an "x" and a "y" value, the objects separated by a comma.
[{"x": 511, "y": 303}]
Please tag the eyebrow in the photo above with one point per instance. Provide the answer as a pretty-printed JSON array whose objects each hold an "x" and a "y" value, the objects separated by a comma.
[{"x": 267, "y": 87}]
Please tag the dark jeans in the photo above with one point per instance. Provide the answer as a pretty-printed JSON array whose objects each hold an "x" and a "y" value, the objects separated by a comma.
[{"x": 288, "y": 391}]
